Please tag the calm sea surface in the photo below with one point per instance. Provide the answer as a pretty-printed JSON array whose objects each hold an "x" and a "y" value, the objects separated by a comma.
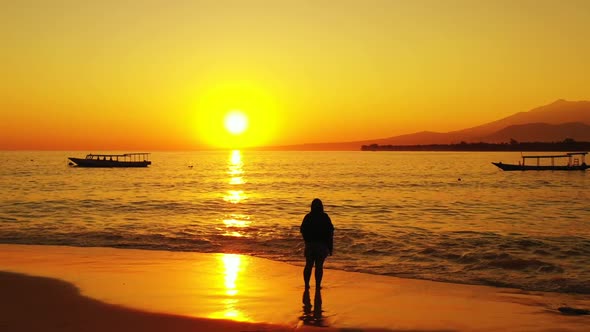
[{"x": 440, "y": 216}]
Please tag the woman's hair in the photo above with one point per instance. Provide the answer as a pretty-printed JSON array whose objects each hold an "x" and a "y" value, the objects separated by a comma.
[{"x": 317, "y": 206}]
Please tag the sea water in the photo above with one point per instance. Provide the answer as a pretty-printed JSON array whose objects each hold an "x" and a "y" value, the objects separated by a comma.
[{"x": 447, "y": 216}]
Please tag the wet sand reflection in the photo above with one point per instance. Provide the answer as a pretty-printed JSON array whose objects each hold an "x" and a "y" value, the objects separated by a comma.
[
  {"x": 313, "y": 314},
  {"x": 231, "y": 267}
]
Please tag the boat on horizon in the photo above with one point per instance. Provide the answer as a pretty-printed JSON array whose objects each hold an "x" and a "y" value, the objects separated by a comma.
[
  {"x": 576, "y": 161},
  {"x": 112, "y": 160}
]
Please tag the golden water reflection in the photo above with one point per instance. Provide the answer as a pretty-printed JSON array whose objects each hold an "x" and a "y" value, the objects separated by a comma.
[
  {"x": 231, "y": 266},
  {"x": 230, "y": 224},
  {"x": 235, "y": 222},
  {"x": 234, "y": 196},
  {"x": 236, "y": 164},
  {"x": 236, "y": 178}
]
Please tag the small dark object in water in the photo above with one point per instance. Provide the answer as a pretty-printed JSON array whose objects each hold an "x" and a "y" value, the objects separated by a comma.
[
  {"x": 190, "y": 166},
  {"x": 573, "y": 311},
  {"x": 459, "y": 179}
]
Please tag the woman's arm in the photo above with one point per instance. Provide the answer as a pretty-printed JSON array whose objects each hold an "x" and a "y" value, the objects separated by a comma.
[{"x": 331, "y": 235}]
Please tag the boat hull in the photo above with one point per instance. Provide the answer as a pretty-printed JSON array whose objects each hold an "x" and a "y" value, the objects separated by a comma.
[
  {"x": 82, "y": 162},
  {"x": 512, "y": 167}
]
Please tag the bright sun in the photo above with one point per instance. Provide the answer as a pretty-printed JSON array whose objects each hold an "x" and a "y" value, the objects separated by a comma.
[{"x": 236, "y": 122}]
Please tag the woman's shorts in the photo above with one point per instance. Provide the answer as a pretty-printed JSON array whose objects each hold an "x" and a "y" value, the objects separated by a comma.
[{"x": 314, "y": 250}]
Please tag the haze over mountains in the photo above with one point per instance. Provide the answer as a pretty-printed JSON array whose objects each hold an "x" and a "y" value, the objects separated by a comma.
[{"x": 550, "y": 123}]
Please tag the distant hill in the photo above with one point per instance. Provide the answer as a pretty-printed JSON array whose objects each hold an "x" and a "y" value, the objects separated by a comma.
[
  {"x": 541, "y": 132},
  {"x": 556, "y": 113},
  {"x": 550, "y": 123}
]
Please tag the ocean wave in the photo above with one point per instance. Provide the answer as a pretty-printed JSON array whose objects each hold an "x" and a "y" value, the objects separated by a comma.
[
  {"x": 395, "y": 214},
  {"x": 453, "y": 256}
]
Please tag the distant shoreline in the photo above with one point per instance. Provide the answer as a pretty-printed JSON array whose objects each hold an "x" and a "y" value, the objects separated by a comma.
[{"x": 565, "y": 146}]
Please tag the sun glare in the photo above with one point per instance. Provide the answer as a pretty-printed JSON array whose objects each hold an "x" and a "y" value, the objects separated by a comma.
[
  {"x": 235, "y": 114},
  {"x": 236, "y": 122}
]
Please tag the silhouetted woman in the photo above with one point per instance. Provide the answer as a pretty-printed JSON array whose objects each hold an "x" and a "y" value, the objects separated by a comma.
[{"x": 317, "y": 231}]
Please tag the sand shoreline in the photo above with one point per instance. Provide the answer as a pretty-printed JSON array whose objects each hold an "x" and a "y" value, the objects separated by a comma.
[{"x": 235, "y": 293}]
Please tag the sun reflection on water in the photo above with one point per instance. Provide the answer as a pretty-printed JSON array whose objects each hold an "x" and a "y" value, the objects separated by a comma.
[
  {"x": 236, "y": 180},
  {"x": 235, "y": 172},
  {"x": 235, "y": 164},
  {"x": 235, "y": 223},
  {"x": 234, "y": 196}
]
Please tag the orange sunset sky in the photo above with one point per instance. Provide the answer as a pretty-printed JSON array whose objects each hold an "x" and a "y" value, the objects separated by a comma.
[{"x": 159, "y": 75}]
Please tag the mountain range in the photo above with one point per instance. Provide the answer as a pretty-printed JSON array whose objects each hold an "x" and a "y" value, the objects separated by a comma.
[{"x": 550, "y": 123}]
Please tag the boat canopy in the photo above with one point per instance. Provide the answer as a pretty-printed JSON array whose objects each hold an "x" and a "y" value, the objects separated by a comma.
[
  {"x": 567, "y": 155},
  {"x": 570, "y": 155},
  {"x": 140, "y": 156}
]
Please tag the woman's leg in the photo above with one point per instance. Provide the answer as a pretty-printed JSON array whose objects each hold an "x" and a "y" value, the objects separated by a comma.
[
  {"x": 307, "y": 270},
  {"x": 319, "y": 271}
]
